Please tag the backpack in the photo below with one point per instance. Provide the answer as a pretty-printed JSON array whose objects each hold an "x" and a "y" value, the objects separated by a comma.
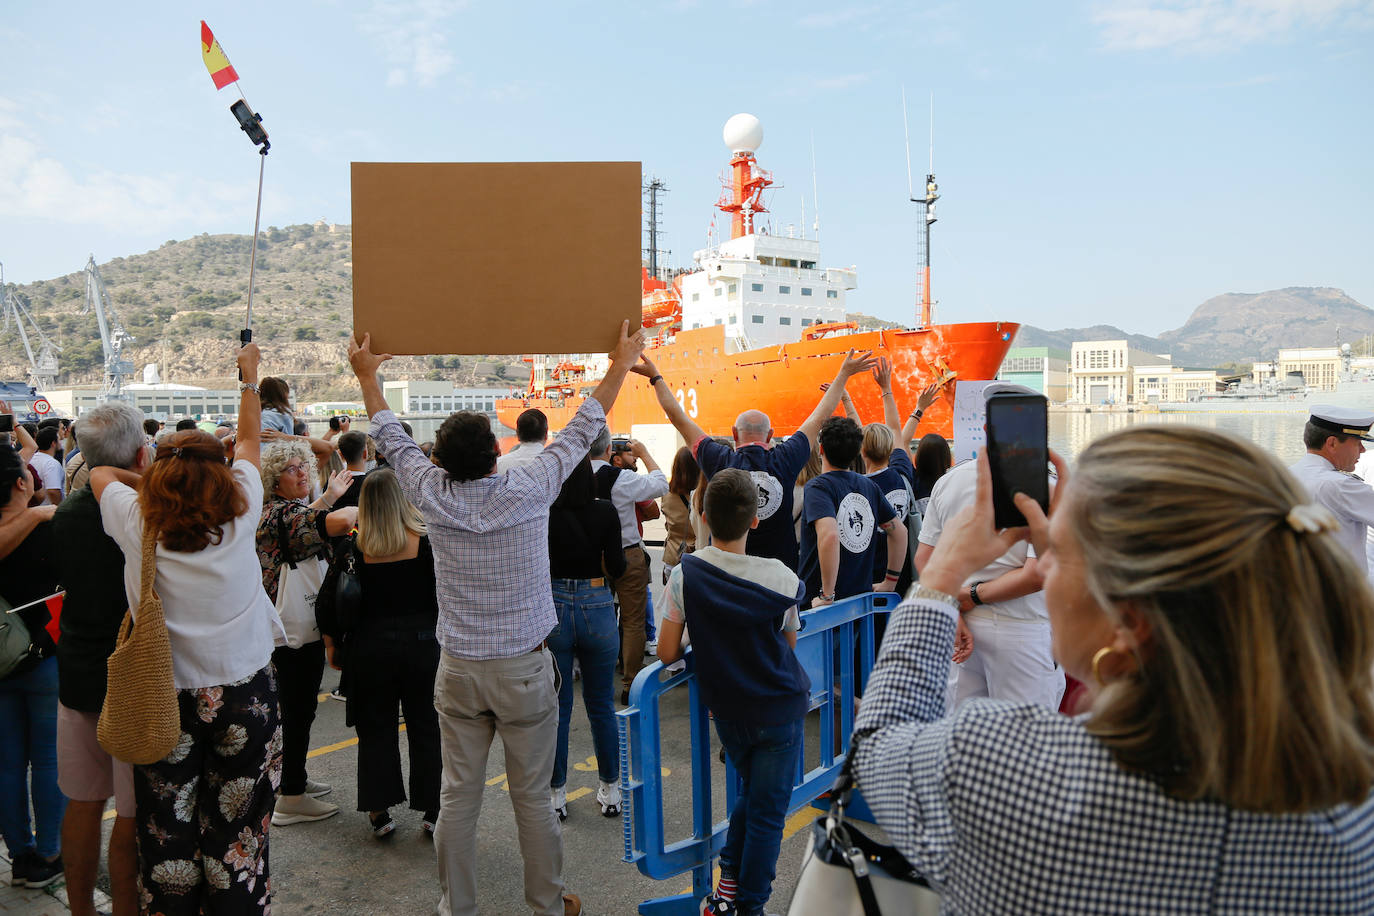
[{"x": 16, "y": 645}]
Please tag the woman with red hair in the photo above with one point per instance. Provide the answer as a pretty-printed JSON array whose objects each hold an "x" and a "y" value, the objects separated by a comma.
[{"x": 204, "y": 809}]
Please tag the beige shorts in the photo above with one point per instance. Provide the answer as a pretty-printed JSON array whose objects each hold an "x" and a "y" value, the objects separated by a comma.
[{"x": 84, "y": 771}]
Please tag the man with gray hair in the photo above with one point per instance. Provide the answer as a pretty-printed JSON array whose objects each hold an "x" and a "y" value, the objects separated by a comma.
[
  {"x": 91, "y": 566},
  {"x": 774, "y": 468}
]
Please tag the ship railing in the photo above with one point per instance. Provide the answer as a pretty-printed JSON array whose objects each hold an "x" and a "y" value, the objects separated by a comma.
[{"x": 836, "y": 647}]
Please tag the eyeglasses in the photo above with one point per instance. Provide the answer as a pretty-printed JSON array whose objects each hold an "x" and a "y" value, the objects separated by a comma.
[{"x": 294, "y": 469}]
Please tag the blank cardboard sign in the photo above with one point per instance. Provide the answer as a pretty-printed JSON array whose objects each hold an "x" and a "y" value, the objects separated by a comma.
[{"x": 495, "y": 257}]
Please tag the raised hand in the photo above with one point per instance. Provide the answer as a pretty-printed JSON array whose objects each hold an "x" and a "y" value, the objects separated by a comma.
[
  {"x": 854, "y": 364},
  {"x": 1036, "y": 520},
  {"x": 339, "y": 482},
  {"x": 627, "y": 351},
  {"x": 249, "y": 357},
  {"x": 928, "y": 396},
  {"x": 882, "y": 374},
  {"x": 971, "y": 541},
  {"x": 360, "y": 356},
  {"x": 645, "y": 367}
]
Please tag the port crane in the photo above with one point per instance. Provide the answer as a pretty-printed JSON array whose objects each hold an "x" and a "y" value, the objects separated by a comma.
[
  {"x": 113, "y": 337},
  {"x": 43, "y": 367}
]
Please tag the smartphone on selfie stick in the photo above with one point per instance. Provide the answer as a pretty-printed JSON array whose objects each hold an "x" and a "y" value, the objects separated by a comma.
[{"x": 1018, "y": 453}]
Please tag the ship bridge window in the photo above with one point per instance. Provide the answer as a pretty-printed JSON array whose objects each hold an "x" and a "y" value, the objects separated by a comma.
[
  {"x": 733, "y": 289},
  {"x": 719, "y": 291},
  {"x": 806, "y": 290},
  {"x": 787, "y": 262},
  {"x": 766, "y": 261},
  {"x": 717, "y": 321},
  {"x": 696, "y": 324},
  {"x": 756, "y": 319},
  {"x": 806, "y": 322},
  {"x": 808, "y": 265},
  {"x": 733, "y": 318},
  {"x": 785, "y": 319},
  {"x": 784, "y": 290},
  {"x": 831, "y": 294},
  {"x": 756, "y": 287}
]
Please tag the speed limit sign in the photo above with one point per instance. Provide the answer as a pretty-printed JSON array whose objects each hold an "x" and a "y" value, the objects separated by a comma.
[{"x": 41, "y": 406}]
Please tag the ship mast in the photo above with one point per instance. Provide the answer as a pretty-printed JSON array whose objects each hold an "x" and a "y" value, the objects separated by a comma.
[
  {"x": 926, "y": 317},
  {"x": 742, "y": 198},
  {"x": 652, "y": 188}
]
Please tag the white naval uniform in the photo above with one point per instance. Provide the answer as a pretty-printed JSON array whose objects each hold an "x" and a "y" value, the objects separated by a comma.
[{"x": 1348, "y": 497}]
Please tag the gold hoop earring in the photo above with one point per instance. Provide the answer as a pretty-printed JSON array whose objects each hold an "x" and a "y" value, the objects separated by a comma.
[{"x": 1097, "y": 663}]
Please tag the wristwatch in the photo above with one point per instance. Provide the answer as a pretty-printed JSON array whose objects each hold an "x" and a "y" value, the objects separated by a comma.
[
  {"x": 973, "y": 593},
  {"x": 249, "y": 386},
  {"x": 924, "y": 591}
]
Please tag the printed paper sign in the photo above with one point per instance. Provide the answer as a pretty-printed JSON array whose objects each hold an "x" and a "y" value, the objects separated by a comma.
[{"x": 970, "y": 437}]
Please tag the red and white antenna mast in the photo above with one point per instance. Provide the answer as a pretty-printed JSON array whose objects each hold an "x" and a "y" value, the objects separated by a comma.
[
  {"x": 927, "y": 317},
  {"x": 742, "y": 198}
]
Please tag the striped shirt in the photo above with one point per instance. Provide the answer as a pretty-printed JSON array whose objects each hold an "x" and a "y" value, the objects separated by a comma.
[
  {"x": 1012, "y": 808},
  {"x": 490, "y": 537}
]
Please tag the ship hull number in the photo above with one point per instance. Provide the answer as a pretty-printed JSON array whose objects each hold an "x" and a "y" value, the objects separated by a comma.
[{"x": 687, "y": 400}]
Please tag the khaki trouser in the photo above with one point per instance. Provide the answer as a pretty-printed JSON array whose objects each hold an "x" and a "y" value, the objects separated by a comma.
[
  {"x": 513, "y": 697},
  {"x": 632, "y": 591}
]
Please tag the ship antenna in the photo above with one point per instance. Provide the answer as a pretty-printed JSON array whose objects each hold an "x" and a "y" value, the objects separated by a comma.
[
  {"x": 926, "y": 316},
  {"x": 815, "y": 193}
]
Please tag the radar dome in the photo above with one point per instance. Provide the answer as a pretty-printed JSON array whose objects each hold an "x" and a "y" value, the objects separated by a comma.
[{"x": 743, "y": 133}]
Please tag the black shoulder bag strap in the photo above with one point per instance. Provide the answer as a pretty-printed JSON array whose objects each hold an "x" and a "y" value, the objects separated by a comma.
[{"x": 840, "y": 794}]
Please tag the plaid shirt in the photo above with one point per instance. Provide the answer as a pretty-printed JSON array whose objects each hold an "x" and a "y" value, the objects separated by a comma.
[
  {"x": 1011, "y": 808},
  {"x": 490, "y": 537}
]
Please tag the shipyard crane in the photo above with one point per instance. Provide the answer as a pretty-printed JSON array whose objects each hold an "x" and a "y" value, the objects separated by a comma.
[
  {"x": 113, "y": 337},
  {"x": 43, "y": 367}
]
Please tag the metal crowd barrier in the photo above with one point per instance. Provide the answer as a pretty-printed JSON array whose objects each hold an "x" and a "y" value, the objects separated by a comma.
[{"x": 828, "y": 637}]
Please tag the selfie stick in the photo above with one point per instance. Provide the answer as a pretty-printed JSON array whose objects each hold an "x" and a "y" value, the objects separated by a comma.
[{"x": 251, "y": 124}]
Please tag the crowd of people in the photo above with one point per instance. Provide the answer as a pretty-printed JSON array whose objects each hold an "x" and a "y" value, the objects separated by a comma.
[{"x": 1181, "y": 650}]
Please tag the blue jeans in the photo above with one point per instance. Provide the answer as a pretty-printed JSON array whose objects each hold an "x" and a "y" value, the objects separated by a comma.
[
  {"x": 28, "y": 757},
  {"x": 765, "y": 757},
  {"x": 650, "y": 625},
  {"x": 586, "y": 629}
]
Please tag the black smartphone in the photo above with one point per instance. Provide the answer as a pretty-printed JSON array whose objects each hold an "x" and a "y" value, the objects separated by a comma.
[
  {"x": 6, "y": 422},
  {"x": 1019, "y": 454}
]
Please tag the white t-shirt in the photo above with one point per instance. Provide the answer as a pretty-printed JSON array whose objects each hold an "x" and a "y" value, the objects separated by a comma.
[
  {"x": 219, "y": 618},
  {"x": 523, "y": 453},
  {"x": 951, "y": 493},
  {"x": 50, "y": 470},
  {"x": 770, "y": 573}
]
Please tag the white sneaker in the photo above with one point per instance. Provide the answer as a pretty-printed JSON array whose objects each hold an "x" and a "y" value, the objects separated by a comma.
[
  {"x": 608, "y": 797},
  {"x": 298, "y": 809},
  {"x": 651, "y": 647},
  {"x": 316, "y": 789},
  {"x": 559, "y": 797}
]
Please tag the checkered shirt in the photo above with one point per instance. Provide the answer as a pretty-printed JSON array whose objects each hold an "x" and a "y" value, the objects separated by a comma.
[
  {"x": 490, "y": 537},
  {"x": 1011, "y": 808}
]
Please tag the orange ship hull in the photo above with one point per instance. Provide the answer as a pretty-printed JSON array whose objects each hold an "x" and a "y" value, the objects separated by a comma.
[{"x": 714, "y": 387}]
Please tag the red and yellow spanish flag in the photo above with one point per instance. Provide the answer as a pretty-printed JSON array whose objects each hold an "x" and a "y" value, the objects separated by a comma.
[{"x": 221, "y": 71}]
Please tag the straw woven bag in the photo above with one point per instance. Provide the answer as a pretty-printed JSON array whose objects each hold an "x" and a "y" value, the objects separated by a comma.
[{"x": 139, "y": 721}]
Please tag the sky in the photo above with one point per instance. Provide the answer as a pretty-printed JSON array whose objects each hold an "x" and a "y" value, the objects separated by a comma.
[{"x": 1115, "y": 161}]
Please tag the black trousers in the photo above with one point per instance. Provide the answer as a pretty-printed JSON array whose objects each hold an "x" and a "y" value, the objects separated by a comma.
[
  {"x": 387, "y": 669},
  {"x": 299, "y": 672}
]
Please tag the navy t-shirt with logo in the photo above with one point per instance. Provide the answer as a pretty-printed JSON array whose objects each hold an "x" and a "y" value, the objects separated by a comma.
[
  {"x": 859, "y": 508},
  {"x": 775, "y": 473},
  {"x": 893, "y": 480}
]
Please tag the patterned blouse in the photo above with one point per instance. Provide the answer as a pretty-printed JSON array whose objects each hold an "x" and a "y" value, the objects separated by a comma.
[
  {"x": 305, "y": 537},
  {"x": 1011, "y": 808}
]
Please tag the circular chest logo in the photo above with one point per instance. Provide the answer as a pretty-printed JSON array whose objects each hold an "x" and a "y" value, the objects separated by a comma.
[
  {"x": 855, "y": 521},
  {"x": 770, "y": 493},
  {"x": 899, "y": 503}
]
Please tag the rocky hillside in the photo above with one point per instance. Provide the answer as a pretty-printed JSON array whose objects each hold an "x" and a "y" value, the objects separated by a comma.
[
  {"x": 184, "y": 304},
  {"x": 1238, "y": 327}
]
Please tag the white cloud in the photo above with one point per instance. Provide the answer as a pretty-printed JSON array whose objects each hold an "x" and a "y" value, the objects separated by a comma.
[
  {"x": 845, "y": 16},
  {"x": 410, "y": 35},
  {"x": 1139, "y": 25}
]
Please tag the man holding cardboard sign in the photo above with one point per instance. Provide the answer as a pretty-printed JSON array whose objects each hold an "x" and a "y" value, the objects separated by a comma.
[{"x": 490, "y": 537}]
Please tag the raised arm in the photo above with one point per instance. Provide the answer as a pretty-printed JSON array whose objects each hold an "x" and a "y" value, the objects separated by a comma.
[
  {"x": 850, "y": 366},
  {"x": 676, "y": 415},
  {"x": 626, "y": 354},
  {"x": 365, "y": 364},
  {"x": 27, "y": 447},
  {"x": 882, "y": 374},
  {"x": 248, "y": 444},
  {"x": 928, "y": 396}
]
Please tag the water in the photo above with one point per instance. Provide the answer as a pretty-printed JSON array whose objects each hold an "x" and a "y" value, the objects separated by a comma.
[{"x": 1278, "y": 434}]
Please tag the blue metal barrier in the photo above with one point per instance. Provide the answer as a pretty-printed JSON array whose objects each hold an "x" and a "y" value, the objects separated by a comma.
[{"x": 829, "y": 635}]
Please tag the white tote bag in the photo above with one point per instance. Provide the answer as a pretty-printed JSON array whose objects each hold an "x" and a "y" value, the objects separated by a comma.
[{"x": 296, "y": 592}]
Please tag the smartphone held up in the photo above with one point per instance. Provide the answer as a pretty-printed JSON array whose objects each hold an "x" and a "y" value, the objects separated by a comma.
[{"x": 1018, "y": 453}]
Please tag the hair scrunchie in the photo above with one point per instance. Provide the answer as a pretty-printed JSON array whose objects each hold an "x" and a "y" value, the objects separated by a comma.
[{"x": 1310, "y": 518}]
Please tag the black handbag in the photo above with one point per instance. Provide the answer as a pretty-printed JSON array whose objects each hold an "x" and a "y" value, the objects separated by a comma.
[
  {"x": 846, "y": 873},
  {"x": 338, "y": 607}
]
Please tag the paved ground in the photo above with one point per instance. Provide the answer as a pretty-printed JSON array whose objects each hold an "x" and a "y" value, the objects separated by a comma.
[{"x": 335, "y": 866}]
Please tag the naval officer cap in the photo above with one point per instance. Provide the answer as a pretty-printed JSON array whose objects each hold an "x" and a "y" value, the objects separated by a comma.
[{"x": 1347, "y": 421}]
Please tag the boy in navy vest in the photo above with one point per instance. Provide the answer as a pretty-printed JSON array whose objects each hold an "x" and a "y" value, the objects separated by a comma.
[{"x": 742, "y": 614}]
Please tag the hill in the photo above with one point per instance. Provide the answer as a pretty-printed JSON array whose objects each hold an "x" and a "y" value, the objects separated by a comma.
[{"x": 184, "y": 304}]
